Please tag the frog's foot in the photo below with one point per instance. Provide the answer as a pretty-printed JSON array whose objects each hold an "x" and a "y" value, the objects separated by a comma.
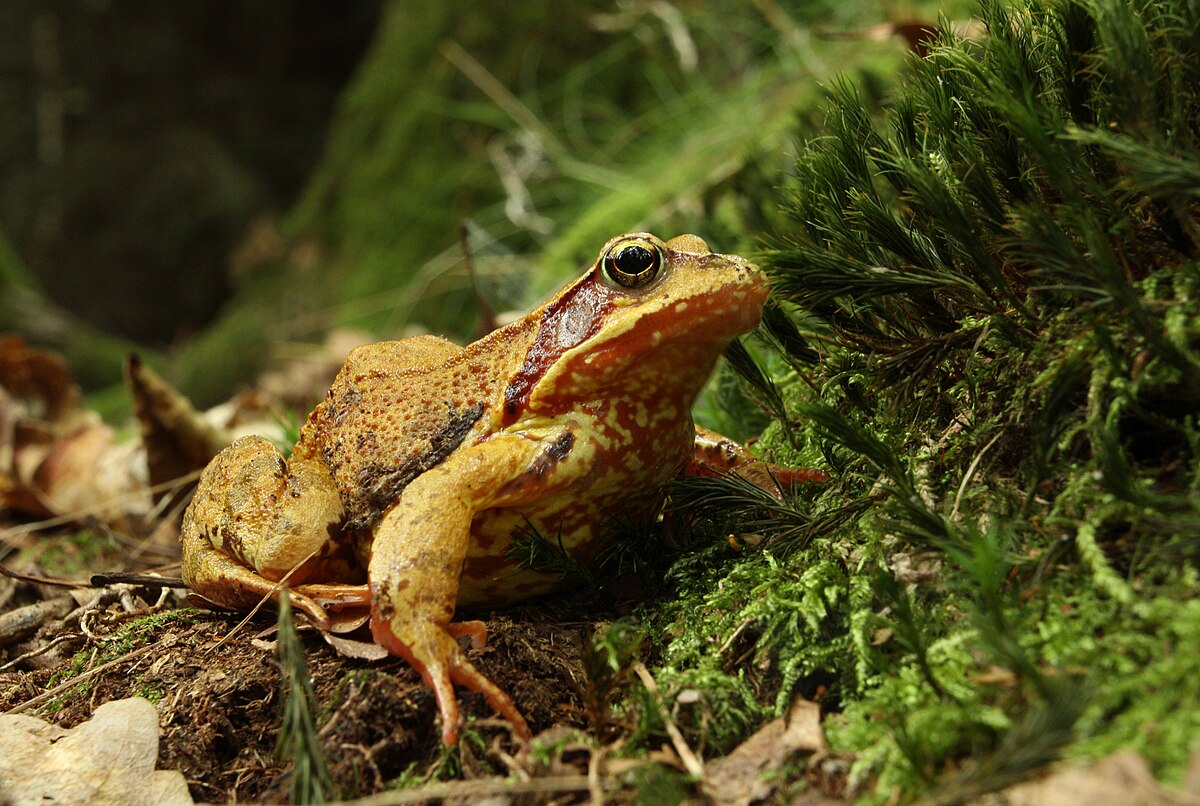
[
  {"x": 432, "y": 650},
  {"x": 778, "y": 479},
  {"x": 336, "y": 597},
  {"x": 228, "y": 584},
  {"x": 714, "y": 455}
]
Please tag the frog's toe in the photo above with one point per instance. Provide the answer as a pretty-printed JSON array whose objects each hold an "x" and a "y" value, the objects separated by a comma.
[
  {"x": 335, "y": 597},
  {"x": 465, "y": 674},
  {"x": 432, "y": 650},
  {"x": 793, "y": 476},
  {"x": 316, "y": 614}
]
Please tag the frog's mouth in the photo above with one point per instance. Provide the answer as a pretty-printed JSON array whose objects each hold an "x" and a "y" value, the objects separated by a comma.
[
  {"x": 704, "y": 322},
  {"x": 683, "y": 332}
]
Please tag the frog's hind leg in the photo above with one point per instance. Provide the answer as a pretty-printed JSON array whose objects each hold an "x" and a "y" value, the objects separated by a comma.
[
  {"x": 257, "y": 520},
  {"x": 230, "y": 585},
  {"x": 417, "y": 559}
]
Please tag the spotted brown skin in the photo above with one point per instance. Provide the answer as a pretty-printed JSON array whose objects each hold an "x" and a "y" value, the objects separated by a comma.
[{"x": 412, "y": 477}]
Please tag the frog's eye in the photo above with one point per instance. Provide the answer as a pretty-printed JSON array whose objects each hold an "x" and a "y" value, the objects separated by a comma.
[{"x": 632, "y": 264}]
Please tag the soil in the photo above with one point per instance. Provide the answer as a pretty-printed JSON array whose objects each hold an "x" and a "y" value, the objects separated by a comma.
[{"x": 217, "y": 688}]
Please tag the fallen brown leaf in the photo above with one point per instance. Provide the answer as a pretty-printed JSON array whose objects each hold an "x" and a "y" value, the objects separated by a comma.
[
  {"x": 177, "y": 438},
  {"x": 1122, "y": 778},
  {"x": 108, "y": 759},
  {"x": 38, "y": 376},
  {"x": 738, "y": 778}
]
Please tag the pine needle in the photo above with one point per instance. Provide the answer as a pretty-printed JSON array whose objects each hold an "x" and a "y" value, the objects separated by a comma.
[{"x": 309, "y": 781}]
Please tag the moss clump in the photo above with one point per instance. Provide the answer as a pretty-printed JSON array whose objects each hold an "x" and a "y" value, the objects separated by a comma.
[
  {"x": 133, "y": 635},
  {"x": 998, "y": 359}
]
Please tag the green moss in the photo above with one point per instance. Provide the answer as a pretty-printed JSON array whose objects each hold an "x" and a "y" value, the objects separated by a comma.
[
  {"x": 75, "y": 555},
  {"x": 999, "y": 362},
  {"x": 655, "y": 783},
  {"x": 133, "y": 635}
]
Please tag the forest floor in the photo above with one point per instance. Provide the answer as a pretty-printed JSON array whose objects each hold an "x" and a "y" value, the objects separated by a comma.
[{"x": 216, "y": 685}]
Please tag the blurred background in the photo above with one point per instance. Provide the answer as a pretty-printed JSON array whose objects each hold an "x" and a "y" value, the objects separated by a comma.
[{"x": 216, "y": 184}]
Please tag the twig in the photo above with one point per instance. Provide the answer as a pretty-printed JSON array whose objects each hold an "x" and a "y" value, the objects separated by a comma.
[
  {"x": 966, "y": 479},
  {"x": 45, "y": 696},
  {"x": 34, "y": 579},
  {"x": 33, "y": 653},
  {"x": 595, "y": 787},
  {"x": 732, "y": 636},
  {"x": 487, "y": 314},
  {"x": 693, "y": 765},
  {"x": 476, "y": 789},
  {"x": 148, "y": 580}
]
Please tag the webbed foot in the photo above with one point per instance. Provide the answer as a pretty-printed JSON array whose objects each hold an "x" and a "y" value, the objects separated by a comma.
[{"x": 432, "y": 650}]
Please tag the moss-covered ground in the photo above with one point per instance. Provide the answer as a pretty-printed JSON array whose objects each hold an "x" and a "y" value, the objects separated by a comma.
[{"x": 991, "y": 339}]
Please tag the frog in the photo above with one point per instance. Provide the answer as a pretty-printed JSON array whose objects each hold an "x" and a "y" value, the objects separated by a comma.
[{"x": 425, "y": 461}]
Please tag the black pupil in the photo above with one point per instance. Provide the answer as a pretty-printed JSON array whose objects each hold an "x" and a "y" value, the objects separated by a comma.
[{"x": 633, "y": 260}]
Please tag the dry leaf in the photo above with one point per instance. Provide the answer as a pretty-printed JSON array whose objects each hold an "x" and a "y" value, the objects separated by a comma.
[
  {"x": 108, "y": 759},
  {"x": 177, "y": 438},
  {"x": 55, "y": 458},
  {"x": 350, "y": 648},
  {"x": 39, "y": 377},
  {"x": 915, "y": 569},
  {"x": 738, "y": 777},
  {"x": 1123, "y": 777}
]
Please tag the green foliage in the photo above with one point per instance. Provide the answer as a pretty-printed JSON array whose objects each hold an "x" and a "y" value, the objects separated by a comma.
[
  {"x": 607, "y": 663},
  {"x": 656, "y": 783},
  {"x": 712, "y": 708},
  {"x": 999, "y": 361},
  {"x": 632, "y": 550},
  {"x": 133, "y": 635},
  {"x": 544, "y": 139},
  {"x": 309, "y": 780},
  {"x": 76, "y": 555},
  {"x": 447, "y": 766},
  {"x": 744, "y": 631}
]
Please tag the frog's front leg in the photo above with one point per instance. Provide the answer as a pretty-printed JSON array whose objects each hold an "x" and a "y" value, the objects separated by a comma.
[
  {"x": 256, "y": 520},
  {"x": 417, "y": 558},
  {"x": 714, "y": 454}
]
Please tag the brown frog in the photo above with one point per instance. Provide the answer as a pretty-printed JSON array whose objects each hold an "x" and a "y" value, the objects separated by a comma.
[{"x": 410, "y": 480}]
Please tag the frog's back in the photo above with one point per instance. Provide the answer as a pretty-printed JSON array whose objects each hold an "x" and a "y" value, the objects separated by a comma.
[{"x": 395, "y": 410}]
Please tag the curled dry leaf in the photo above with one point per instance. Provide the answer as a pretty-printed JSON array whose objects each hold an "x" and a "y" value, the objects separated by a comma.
[
  {"x": 177, "y": 439},
  {"x": 738, "y": 778},
  {"x": 108, "y": 759},
  {"x": 57, "y": 460},
  {"x": 54, "y": 457},
  {"x": 351, "y": 648},
  {"x": 38, "y": 377},
  {"x": 915, "y": 568}
]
